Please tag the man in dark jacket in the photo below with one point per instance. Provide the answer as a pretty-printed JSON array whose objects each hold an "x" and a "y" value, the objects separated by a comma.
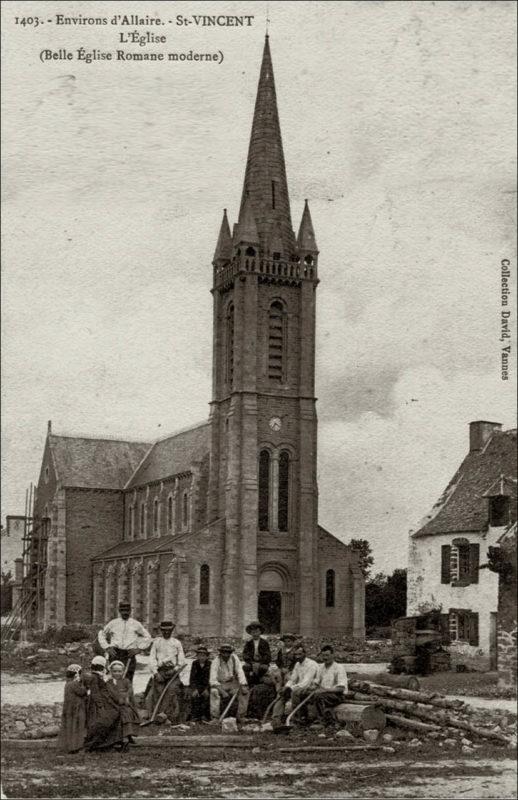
[
  {"x": 199, "y": 688},
  {"x": 256, "y": 654}
]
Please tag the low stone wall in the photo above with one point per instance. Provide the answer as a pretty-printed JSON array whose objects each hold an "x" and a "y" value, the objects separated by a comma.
[
  {"x": 507, "y": 614},
  {"x": 33, "y": 657},
  {"x": 30, "y": 722}
]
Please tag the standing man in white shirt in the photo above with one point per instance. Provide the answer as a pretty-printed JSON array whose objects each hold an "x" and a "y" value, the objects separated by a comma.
[
  {"x": 298, "y": 686},
  {"x": 330, "y": 684},
  {"x": 165, "y": 657},
  {"x": 226, "y": 678},
  {"x": 122, "y": 638}
]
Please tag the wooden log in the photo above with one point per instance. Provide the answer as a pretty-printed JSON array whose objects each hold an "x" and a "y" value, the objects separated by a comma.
[
  {"x": 387, "y": 679},
  {"x": 340, "y": 749},
  {"x": 430, "y": 698},
  {"x": 367, "y": 717},
  {"x": 438, "y": 717},
  {"x": 411, "y": 724},
  {"x": 428, "y": 713}
]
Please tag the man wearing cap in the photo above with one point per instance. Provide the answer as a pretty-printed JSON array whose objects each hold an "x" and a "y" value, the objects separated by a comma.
[
  {"x": 330, "y": 683},
  {"x": 199, "y": 686},
  {"x": 120, "y": 639},
  {"x": 256, "y": 654},
  {"x": 164, "y": 659},
  {"x": 226, "y": 678}
]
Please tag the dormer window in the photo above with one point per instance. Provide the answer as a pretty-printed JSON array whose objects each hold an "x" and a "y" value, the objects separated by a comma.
[{"x": 499, "y": 507}]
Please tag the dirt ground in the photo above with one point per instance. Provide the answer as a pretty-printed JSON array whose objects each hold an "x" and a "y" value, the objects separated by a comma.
[
  {"x": 262, "y": 770},
  {"x": 468, "y": 684}
]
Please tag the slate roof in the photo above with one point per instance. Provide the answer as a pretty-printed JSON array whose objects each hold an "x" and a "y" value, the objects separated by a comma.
[
  {"x": 88, "y": 463},
  {"x": 138, "y": 547},
  {"x": 172, "y": 455},
  {"x": 463, "y": 506}
]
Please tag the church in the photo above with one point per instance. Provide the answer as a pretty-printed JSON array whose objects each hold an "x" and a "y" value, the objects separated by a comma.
[{"x": 217, "y": 524}]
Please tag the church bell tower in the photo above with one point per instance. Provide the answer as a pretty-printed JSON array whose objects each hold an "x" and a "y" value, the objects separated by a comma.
[{"x": 262, "y": 482}]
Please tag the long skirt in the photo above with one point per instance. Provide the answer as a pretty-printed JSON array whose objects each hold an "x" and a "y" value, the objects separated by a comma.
[
  {"x": 103, "y": 716},
  {"x": 73, "y": 718}
]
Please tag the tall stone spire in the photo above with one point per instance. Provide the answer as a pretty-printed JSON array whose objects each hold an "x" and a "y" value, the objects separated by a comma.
[
  {"x": 306, "y": 239},
  {"x": 246, "y": 229},
  {"x": 265, "y": 181},
  {"x": 223, "y": 250}
]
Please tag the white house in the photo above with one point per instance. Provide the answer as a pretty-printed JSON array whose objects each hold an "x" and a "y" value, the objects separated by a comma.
[{"x": 448, "y": 552}]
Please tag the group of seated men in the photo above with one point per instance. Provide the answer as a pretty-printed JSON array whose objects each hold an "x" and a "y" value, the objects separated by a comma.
[{"x": 253, "y": 684}]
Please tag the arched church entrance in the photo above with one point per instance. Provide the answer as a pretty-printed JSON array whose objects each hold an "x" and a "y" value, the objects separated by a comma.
[
  {"x": 275, "y": 598},
  {"x": 269, "y": 611}
]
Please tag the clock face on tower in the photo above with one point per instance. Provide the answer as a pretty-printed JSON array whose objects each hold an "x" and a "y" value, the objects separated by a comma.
[{"x": 275, "y": 423}]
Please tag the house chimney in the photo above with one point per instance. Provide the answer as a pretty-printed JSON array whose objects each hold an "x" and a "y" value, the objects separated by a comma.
[
  {"x": 480, "y": 432},
  {"x": 18, "y": 570}
]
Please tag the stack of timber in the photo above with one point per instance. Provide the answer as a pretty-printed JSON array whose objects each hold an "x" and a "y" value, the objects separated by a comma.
[{"x": 429, "y": 712}]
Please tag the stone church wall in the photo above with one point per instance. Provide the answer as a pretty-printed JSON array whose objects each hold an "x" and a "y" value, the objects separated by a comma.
[
  {"x": 161, "y": 490},
  {"x": 94, "y": 521},
  {"x": 337, "y": 620},
  {"x": 180, "y": 582}
]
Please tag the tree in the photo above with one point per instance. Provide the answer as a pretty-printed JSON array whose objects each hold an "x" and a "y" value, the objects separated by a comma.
[
  {"x": 6, "y": 591},
  {"x": 385, "y": 598},
  {"x": 364, "y": 550}
]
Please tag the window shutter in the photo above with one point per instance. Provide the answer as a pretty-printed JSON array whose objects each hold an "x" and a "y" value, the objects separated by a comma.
[
  {"x": 445, "y": 563},
  {"x": 444, "y": 620},
  {"x": 473, "y": 629},
  {"x": 474, "y": 559}
]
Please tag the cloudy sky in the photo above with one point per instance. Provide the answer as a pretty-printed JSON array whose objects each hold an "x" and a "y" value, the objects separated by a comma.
[{"x": 398, "y": 125}]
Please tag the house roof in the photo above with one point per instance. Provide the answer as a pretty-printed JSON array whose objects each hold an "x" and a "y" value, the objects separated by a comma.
[
  {"x": 463, "y": 504},
  {"x": 138, "y": 547},
  {"x": 89, "y": 463},
  {"x": 172, "y": 455}
]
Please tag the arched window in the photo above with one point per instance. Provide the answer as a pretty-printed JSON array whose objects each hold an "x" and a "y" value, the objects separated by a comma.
[
  {"x": 155, "y": 515},
  {"x": 204, "y": 585},
  {"x": 230, "y": 344},
  {"x": 170, "y": 513},
  {"x": 276, "y": 344},
  {"x": 185, "y": 510},
  {"x": 284, "y": 490},
  {"x": 131, "y": 523},
  {"x": 142, "y": 521},
  {"x": 264, "y": 490},
  {"x": 330, "y": 588}
]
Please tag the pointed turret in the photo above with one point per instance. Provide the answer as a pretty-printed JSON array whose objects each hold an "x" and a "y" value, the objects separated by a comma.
[
  {"x": 246, "y": 229},
  {"x": 265, "y": 176},
  {"x": 306, "y": 241},
  {"x": 223, "y": 250}
]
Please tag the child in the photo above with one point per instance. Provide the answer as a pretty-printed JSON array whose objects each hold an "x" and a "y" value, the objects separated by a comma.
[
  {"x": 122, "y": 689},
  {"x": 73, "y": 718}
]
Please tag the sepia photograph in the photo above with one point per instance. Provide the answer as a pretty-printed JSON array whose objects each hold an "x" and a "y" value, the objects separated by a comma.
[{"x": 259, "y": 437}]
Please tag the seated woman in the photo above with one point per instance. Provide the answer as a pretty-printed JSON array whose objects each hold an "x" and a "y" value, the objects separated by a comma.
[
  {"x": 122, "y": 690},
  {"x": 103, "y": 711}
]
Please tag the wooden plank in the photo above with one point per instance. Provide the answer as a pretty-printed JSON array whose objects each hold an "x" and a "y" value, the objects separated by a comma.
[{"x": 327, "y": 749}]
